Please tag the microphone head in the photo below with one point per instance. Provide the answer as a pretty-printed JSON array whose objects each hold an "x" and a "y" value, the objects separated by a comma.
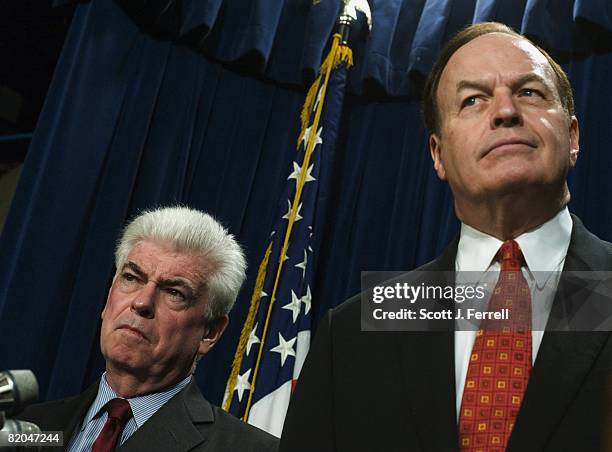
[
  {"x": 16, "y": 426},
  {"x": 18, "y": 388}
]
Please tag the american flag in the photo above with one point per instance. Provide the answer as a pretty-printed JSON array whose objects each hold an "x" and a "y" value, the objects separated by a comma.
[{"x": 276, "y": 335}]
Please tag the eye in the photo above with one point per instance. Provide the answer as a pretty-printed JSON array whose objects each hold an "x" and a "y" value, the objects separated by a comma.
[
  {"x": 530, "y": 92},
  {"x": 175, "y": 293},
  {"x": 128, "y": 277},
  {"x": 469, "y": 101},
  {"x": 129, "y": 281}
]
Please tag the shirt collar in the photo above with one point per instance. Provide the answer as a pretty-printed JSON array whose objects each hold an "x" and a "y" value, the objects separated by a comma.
[
  {"x": 143, "y": 407},
  {"x": 543, "y": 247}
]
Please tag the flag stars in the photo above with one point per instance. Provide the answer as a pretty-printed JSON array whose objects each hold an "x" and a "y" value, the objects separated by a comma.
[
  {"x": 307, "y": 300},
  {"x": 284, "y": 254},
  {"x": 303, "y": 264},
  {"x": 318, "y": 139},
  {"x": 294, "y": 306},
  {"x": 318, "y": 99},
  {"x": 306, "y": 137},
  {"x": 253, "y": 339},
  {"x": 297, "y": 170},
  {"x": 284, "y": 348},
  {"x": 298, "y": 217},
  {"x": 309, "y": 238},
  {"x": 242, "y": 384}
]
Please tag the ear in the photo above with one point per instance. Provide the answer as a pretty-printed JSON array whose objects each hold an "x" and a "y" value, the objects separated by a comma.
[
  {"x": 435, "y": 150},
  {"x": 212, "y": 334},
  {"x": 574, "y": 134}
]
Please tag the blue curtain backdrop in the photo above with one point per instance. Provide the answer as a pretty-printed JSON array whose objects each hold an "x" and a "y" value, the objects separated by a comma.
[{"x": 157, "y": 102}]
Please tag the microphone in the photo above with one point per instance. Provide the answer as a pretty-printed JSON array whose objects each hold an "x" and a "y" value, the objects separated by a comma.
[
  {"x": 18, "y": 388},
  {"x": 16, "y": 426}
]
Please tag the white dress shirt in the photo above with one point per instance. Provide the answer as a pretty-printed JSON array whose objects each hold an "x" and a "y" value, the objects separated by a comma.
[{"x": 544, "y": 249}]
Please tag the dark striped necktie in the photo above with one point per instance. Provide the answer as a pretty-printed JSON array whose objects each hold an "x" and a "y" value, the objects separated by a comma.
[{"x": 119, "y": 412}]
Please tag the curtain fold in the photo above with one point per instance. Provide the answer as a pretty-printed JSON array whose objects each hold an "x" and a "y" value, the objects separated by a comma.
[
  {"x": 596, "y": 11},
  {"x": 285, "y": 40}
]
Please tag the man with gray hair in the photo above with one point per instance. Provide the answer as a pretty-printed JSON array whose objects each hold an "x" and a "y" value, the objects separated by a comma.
[{"x": 178, "y": 272}]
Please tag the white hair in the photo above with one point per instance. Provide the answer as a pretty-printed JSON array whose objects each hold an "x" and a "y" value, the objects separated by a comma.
[{"x": 190, "y": 230}]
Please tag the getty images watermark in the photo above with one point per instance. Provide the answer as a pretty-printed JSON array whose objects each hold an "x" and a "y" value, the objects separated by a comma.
[
  {"x": 411, "y": 294},
  {"x": 455, "y": 301}
]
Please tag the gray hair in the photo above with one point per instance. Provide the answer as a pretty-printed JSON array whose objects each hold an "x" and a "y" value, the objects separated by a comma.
[{"x": 190, "y": 230}]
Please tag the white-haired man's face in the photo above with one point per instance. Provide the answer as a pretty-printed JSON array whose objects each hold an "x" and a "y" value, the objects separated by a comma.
[{"x": 153, "y": 325}]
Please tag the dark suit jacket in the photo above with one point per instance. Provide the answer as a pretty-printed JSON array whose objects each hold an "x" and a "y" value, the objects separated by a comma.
[
  {"x": 187, "y": 422},
  {"x": 395, "y": 391}
]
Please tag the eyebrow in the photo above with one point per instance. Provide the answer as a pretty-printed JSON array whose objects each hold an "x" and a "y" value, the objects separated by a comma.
[
  {"x": 175, "y": 282},
  {"x": 165, "y": 282},
  {"x": 136, "y": 269},
  {"x": 483, "y": 86}
]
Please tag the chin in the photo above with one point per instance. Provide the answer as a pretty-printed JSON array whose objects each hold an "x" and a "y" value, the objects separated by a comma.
[
  {"x": 129, "y": 366},
  {"x": 516, "y": 182},
  {"x": 124, "y": 358}
]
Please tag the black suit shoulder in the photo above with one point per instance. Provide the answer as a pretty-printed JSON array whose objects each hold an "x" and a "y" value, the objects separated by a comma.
[
  {"x": 49, "y": 413},
  {"x": 587, "y": 251},
  {"x": 347, "y": 316},
  {"x": 187, "y": 422},
  {"x": 61, "y": 415},
  {"x": 361, "y": 390},
  {"x": 230, "y": 433}
]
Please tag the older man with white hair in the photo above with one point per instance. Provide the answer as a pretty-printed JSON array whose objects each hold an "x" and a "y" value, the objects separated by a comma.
[{"x": 178, "y": 274}]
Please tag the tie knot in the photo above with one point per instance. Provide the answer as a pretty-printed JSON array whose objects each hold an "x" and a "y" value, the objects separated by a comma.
[
  {"x": 510, "y": 256},
  {"x": 119, "y": 409}
]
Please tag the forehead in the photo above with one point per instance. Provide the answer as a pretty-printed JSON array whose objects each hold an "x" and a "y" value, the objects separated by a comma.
[
  {"x": 161, "y": 260},
  {"x": 494, "y": 57}
]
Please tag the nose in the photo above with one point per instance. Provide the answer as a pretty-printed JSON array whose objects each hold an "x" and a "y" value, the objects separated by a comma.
[
  {"x": 505, "y": 113},
  {"x": 143, "y": 302}
]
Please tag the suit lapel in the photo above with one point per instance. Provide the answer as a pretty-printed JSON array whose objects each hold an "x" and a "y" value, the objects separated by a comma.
[
  {"x": 428, "y": 366},
  {"x": 78, "y": 410},
  {"x": 67, "y": 415},
  {"x": 564, "y": 358},
  {"x": 563, "y": 361},
  {"x": 173, "y": 426}
]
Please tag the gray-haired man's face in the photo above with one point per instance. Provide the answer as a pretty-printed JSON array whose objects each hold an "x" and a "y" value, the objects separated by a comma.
[{"x": 153, "y": 322}]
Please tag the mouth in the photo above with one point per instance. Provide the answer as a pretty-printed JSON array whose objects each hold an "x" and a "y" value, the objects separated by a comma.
[
  {"x": 135, "y": 332},
  {"x": 510, "y": 145}
]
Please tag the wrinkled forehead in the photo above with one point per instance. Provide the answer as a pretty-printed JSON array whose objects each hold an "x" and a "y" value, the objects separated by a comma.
[
  {"x": 162, "y": 259},
  {"x": 494, "y": 56}
]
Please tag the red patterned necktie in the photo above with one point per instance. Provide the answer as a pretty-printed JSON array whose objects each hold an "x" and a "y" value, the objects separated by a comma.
[
  {"x": 500, "y": 362},
  {"x": 119, "y": 412}
]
